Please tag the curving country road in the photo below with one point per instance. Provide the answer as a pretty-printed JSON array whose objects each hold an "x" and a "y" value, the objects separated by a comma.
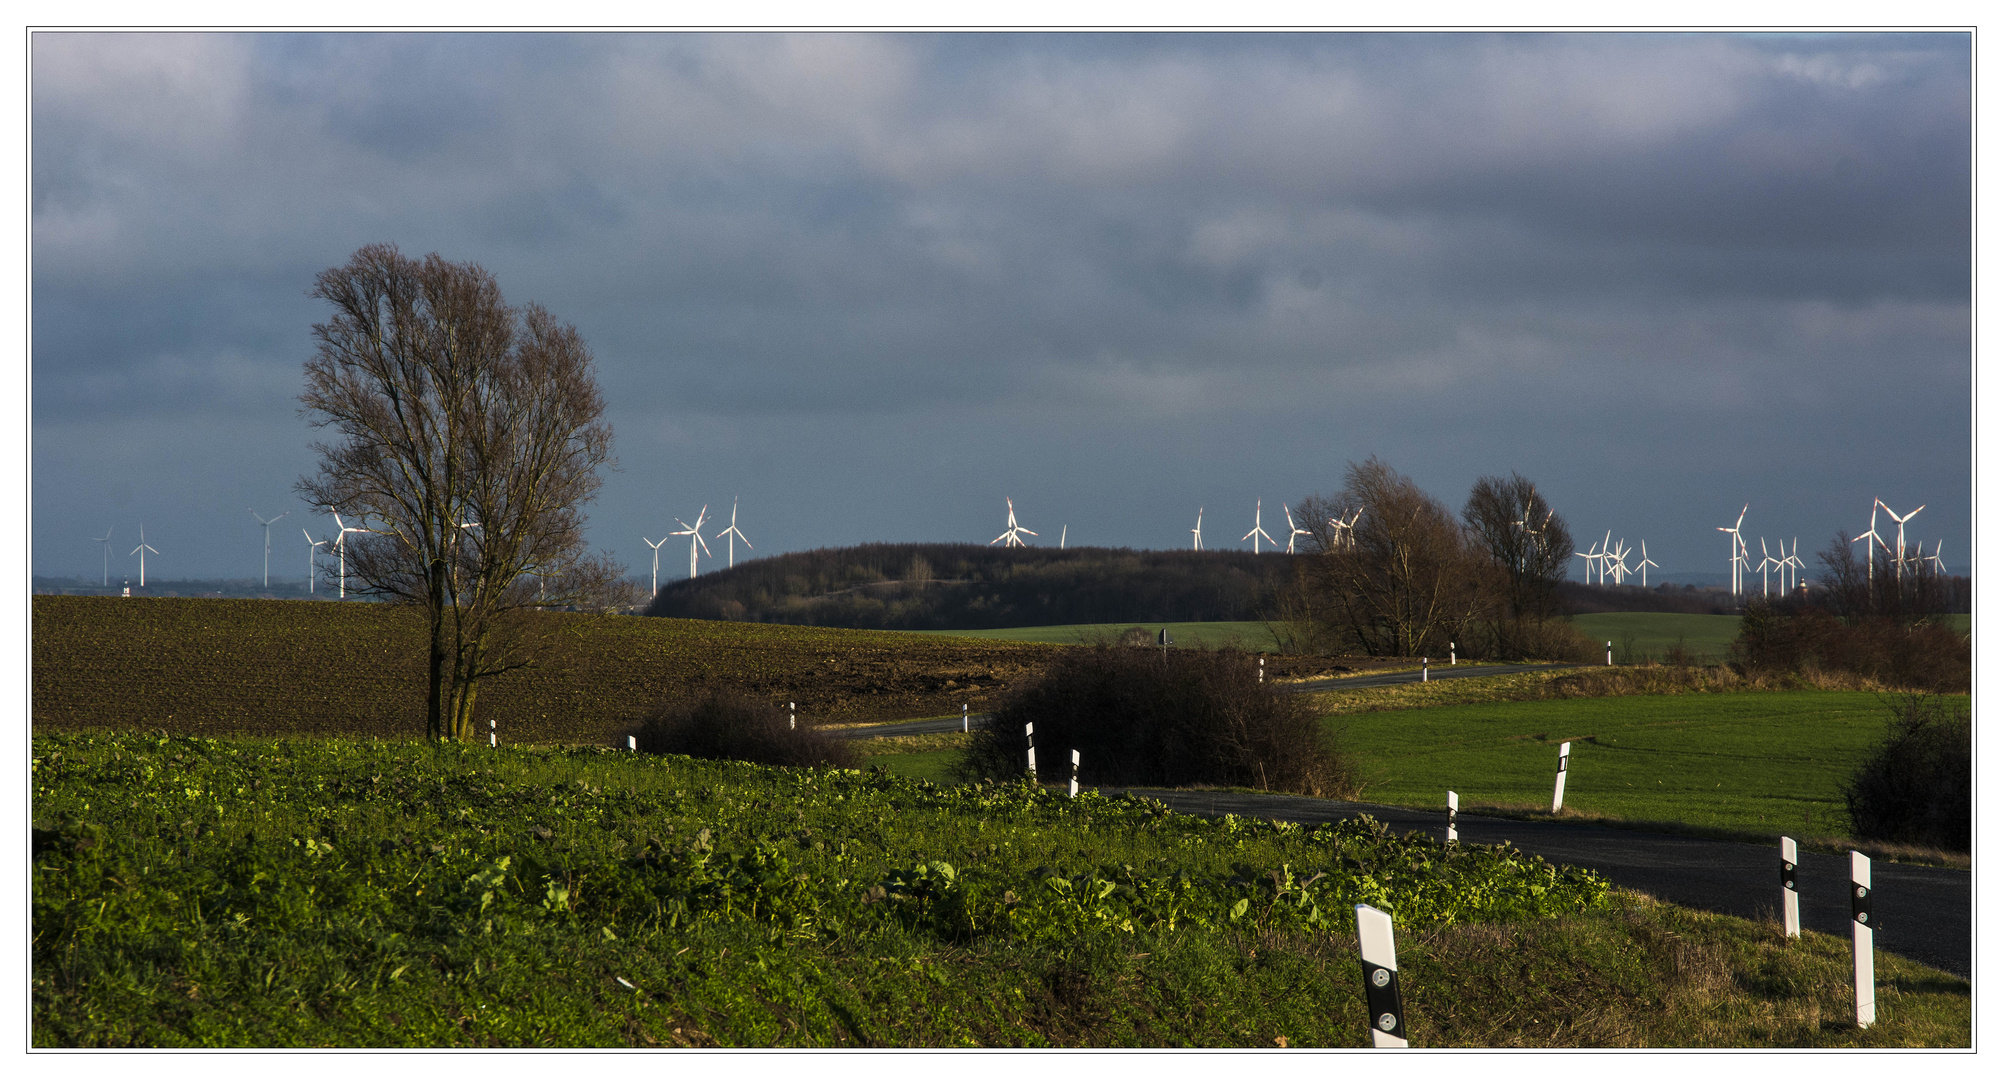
[{"x": 1925, "y": 912}]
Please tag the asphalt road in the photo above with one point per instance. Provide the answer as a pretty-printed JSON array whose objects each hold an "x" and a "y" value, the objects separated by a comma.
[{"x": 1923, "y": 912}]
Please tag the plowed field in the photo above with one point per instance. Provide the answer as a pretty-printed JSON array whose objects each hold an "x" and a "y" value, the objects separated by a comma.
[{"x": 272, "y": 667}]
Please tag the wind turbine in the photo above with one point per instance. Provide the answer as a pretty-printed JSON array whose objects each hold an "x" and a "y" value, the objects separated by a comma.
[
  {"x": 1293, "y": 529},
  {"x": 1766, "y": 561},
  {"x": 1617, "y": 562},
  {"x": 267, "y": 543},
  {"x": 1013, "y": 536},
  {"x": 341, "y": 545},
  {"x": 731, "y": 536},
  {"x": 1345, "y": 531},
  {"x": 106, "y": 541},
  {"x": 141, "y": 551},
  {"x": 1592, "y": 559},
  {"x": 1198, "y": 530},
  {"x": 1870, "y": 559},
  {"x": 1902, "y": 533},
  {"x": 1736, "y": 545},
  {"x": 1795, "y": 566},
  {"x": 1938, "y": 566},
  {"x": 656, "y": 545},
  {"x": 695, "y": 537},
  {"x": 312, "y": 562},
  {"x": 1257, "y": 531},
  {"x": 1645, "y": 564}
]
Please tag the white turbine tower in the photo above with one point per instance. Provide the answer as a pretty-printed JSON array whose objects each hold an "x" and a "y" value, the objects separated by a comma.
[
  {"x": 1257, "y": 530},
  {"x": 1293, "y": 530},
  {"x": 656, "y": 545},
  {"x": 1795, "y": 566},
  {"x": 1767, "y": 561},
  {"x": 341, "y": 545},
  {"x": 1644, "y": 564},
  {"x": 312, "y": 561},
  {"x": 267, "y": 542},
  {"x": 1012, "y": 537},
  {"x": 1902, "y": 533},
  {"x": 106, "y": 541},
  {"x": 141, "y": 551},
  {"x": 1870, "y": 557},
  {"x": 1198, "y": 530},
  {"x": 1737, "y": 544},
  {"x": 731, "y": 536},
  {"x": 695, "y": 537}
]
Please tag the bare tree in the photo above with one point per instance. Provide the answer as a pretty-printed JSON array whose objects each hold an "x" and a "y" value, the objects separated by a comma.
[
  {"x": 1528, "y": 545},
  {"x": 470, "y": 438},
  {"x": 1404, "y": 580}
]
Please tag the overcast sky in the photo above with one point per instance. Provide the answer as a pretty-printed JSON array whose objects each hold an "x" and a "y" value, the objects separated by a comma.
[{"x": 872, "y": 285}]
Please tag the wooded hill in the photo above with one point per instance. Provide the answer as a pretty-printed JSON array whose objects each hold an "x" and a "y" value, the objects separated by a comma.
[{"x": 972, "y": 587}]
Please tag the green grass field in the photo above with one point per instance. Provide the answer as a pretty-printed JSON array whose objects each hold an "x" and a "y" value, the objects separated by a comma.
[
  {"x": 1253, "y": 636},
  {"x": 1761, "y": 762},
  {"x": 1656, "y": 632}
]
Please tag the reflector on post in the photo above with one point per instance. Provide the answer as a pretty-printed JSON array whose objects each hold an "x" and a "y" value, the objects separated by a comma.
[
  {"x": 1862, "y": 926},
  {"x": 1380, "y": 977},
  {"x": 1790, "y": 900}
]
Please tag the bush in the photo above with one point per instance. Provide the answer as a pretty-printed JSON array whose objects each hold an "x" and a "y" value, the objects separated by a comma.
[
  {"x": 723, "y": 725},
  {"x": 1137, "y": 718},
  {"x": 1916, "y": 788},
  {"x": 1791, "y": 636}
]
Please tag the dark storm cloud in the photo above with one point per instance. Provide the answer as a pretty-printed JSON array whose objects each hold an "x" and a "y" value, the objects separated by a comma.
[{"x": 1144, "y": 240}]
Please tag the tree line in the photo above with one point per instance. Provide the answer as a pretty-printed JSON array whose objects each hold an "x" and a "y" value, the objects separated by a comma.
[{"x": 972, "y": 587}]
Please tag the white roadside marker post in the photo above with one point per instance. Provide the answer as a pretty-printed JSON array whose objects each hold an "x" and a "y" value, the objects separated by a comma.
[
  {"x": 1558, "y": 792},
  {"x": 1380, "y": 977},
  {"x": 1074, "y": 774},
  {"x": 1453, "y": 816},
  {"x": 1425, "y": 668},
  {"x": 1610, "y": 654},
  {"x": 1861, "y": 933},
  {"x": 1029, "y": 732},
  {"x": 1790, "y": 900},
  {"x": 632, "y": 745},
  {"x": 1262, "y": 669},
  {"x": 492, "y": 739},
  {"x": 792, "y": 721},
  {"x": 963, "y": 719},
  {"x": 1453, "y": 656}
]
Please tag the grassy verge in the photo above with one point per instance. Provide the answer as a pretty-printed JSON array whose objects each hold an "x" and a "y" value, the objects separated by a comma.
[
  {"x": 1653, "y": 634},
  {"x": 1757, "y": 764},
  {"x": 198, "y": 892}
]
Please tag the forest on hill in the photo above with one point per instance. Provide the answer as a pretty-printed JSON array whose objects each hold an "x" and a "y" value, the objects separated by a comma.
[{"x": 972, "y": 587}]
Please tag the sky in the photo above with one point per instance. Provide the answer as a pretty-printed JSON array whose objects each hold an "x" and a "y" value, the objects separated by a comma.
[{"x": 871, "y": 286}]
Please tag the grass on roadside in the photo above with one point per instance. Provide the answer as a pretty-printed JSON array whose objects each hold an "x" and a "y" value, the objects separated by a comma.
[{"x": 199, "y": 892}]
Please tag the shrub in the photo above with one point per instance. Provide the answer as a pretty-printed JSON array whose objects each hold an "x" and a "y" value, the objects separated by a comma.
[
  {"x": 1916, "y": 788},
  {"x": 1791, "y": 636},
  {"x": 724, "y": 725},
  {"x": 1141, "y": 718}
]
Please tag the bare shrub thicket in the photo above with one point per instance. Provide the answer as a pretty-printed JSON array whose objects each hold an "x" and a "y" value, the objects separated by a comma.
[
  {"x": 1139, "y": 717},
  {"x": 1917, "y": 788},
  {"x": 1881, "y": 622},
  {"x": 727, "y": 726}
]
